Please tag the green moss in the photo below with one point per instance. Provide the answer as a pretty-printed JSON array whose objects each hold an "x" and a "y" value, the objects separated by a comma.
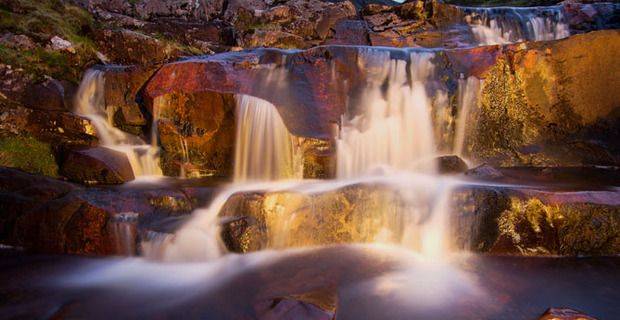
[
  {"x": 41, "y": 20},
  {"x": 28, "y": 154}
]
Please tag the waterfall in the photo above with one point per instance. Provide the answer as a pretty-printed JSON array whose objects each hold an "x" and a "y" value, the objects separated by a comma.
[
  {"x": 264, "y": 150},
  {"x": 90, "y": 103},
  {"x": 394, "y": 128},
  {"x": 503, "y": 25},
  {"x": 469, "y": 91}
]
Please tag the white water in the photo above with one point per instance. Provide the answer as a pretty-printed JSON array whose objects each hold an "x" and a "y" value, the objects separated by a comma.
[
  {"x": 390, "y": 136},
  {"x": 264, "y": 150},
  {"x": 469, "y": 91},
  {"x": 90, "y": 103},
  {"x": 504, "y": 25},
  {"x": 394, "y": 128}
]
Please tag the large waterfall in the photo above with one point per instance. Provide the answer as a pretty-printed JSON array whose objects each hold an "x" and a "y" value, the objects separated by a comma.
[
  {"x": 264, "y": 150},
  {"x": 504, "y": 25},
  {"x": 90, "y": 103}
]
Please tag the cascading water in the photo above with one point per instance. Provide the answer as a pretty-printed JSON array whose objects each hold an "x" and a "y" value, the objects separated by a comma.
[
  {"x": 504, "y": 25},
  {"x": 469, "y": 91},
  {"x": 394, "y": 129},
  {"x": 265, "y": 150},
  {"x": 90, "y": 103}
]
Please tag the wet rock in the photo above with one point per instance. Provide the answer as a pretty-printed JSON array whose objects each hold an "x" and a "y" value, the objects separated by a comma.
[
  {"x": 122, "y": 85},
  {"x": 564, "y": 314},
  {"x": 484, "y": 172},
  {"x": 291, "y": 309},
  {"x": 349, "y": 32},
  {"x": 451, "y": 164},
  {"x": 98, "y": 165},
  {"x": 196, "y": 129}
]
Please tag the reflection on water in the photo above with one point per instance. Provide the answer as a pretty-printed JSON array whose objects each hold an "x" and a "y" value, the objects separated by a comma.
[{"x": 368, "y": 282}]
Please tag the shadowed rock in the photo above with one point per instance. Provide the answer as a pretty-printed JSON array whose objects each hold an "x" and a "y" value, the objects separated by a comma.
[{"x": 97, "y": 165}]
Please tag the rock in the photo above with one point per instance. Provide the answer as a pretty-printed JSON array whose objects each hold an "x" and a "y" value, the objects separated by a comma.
[
  {"x": 275, "y": 39},
  {"x": 451, "y": 164},
  {"x": 97, "y": 165},
  {"x": 130, "y": 47},
  {"x": 47, "y": 95},
  {"x": 530, "y": 114},
  {"x": 196, "y": 129},
  {"x": 349, "y": 32},
  {"x": 484, "y": 172},
  {"x": 59, "y": 44},
  {"x": 17, "y": 41},
  {"x": 564, "y": 314},
  {"x": 122, "y": 85},
  {"x": 291, "y": 309}
]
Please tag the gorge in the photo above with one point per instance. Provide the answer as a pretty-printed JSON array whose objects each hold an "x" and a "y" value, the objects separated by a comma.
[{"x": 309, "y": 159}]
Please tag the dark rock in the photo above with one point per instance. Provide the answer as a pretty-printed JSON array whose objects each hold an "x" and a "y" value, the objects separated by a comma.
[
  {"x": 451, "y": 164},
  {"x": 47, "y": 95},
  {"x": 98, "y": 165},
  {"x": 484, "y": 172},
  {"x": 349, "y": 32},
  {"x": 122, "y": 85}
]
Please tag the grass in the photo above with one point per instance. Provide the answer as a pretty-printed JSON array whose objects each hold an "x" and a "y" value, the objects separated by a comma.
[
  {"x": 41, "y": 20},
  {"x": 28, "y": 154}
]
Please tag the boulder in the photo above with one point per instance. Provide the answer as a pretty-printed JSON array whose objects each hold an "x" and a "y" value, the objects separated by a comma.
[
  {"x": 97, "y": 165},
  {"x": 47, "y": 95},
  {"x": 451, "y": 164},
  {"x": 122, "y": 85},
  {"x": 484, "y": 172},
  {"x": 124, "y": 46}
]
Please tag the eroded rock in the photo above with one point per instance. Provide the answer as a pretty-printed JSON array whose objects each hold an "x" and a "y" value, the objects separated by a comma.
[{"x": 97, "y": 165}]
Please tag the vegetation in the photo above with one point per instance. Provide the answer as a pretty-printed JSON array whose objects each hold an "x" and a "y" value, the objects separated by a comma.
[
  {"x": 41, "y": 20},
  {"x": 28, "y": 154}
]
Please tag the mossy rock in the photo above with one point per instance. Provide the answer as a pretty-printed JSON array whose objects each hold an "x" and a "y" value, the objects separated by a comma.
[{"x": 28, "y": 154}]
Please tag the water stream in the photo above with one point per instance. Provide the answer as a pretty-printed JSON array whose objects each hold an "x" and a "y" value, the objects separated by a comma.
[{"x": 90, "y": 103}]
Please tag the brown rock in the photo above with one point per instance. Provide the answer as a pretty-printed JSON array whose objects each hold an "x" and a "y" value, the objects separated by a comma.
[
  {"x": 484, "y": 172},
  {"x": 350, "y": 32},
  {"x": 97, "y": 165},
  {"x": 46, "y": 95},
  {"x": 196, "y": 129},
  {"x": 122, "y": 85},
  {"x": 451, "y": 164},
  {"x": 130, "y": 47}
]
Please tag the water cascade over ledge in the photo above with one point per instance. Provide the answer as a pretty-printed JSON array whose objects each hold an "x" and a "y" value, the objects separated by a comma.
[
  {"x": 90, "y": 103},
  {"x": 502, "y": 25}
]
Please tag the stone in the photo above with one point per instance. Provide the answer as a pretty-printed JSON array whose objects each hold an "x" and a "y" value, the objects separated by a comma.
[
  {"x": 484, "y": 172},
  {"x": 131, "y": 47},
  {"x": 17, "y": 41},
  {"x": 451, "y": 164},
  {"x": 97, "y": 165},
  {"x": 47, "y": 95},
  {"x": 122, "y": 85},
  {"x": 59, "y": 44},
  {"x": 196, "y": 132}
]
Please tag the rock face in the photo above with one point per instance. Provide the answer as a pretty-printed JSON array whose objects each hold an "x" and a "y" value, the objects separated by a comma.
[
  {"x": 564, "y": 314},
  {"x": 98, "y": 165},
  {"x": 48, "y": 215},
  {"x": 531, "y": 113},
  {"x": 196, "y": 132},
  {"x": 484, "y": 219},
  {"x": 534, "y": 107}
]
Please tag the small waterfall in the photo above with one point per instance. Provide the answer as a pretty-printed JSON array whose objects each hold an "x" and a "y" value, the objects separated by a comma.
[
  {"x": 265, "y": 150},
  {"x": 469, "y": 91},
  {"x": 504, "y": 25},
  {"x": 394, "y": 128},
  {"x": 90, "y": 103}
]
